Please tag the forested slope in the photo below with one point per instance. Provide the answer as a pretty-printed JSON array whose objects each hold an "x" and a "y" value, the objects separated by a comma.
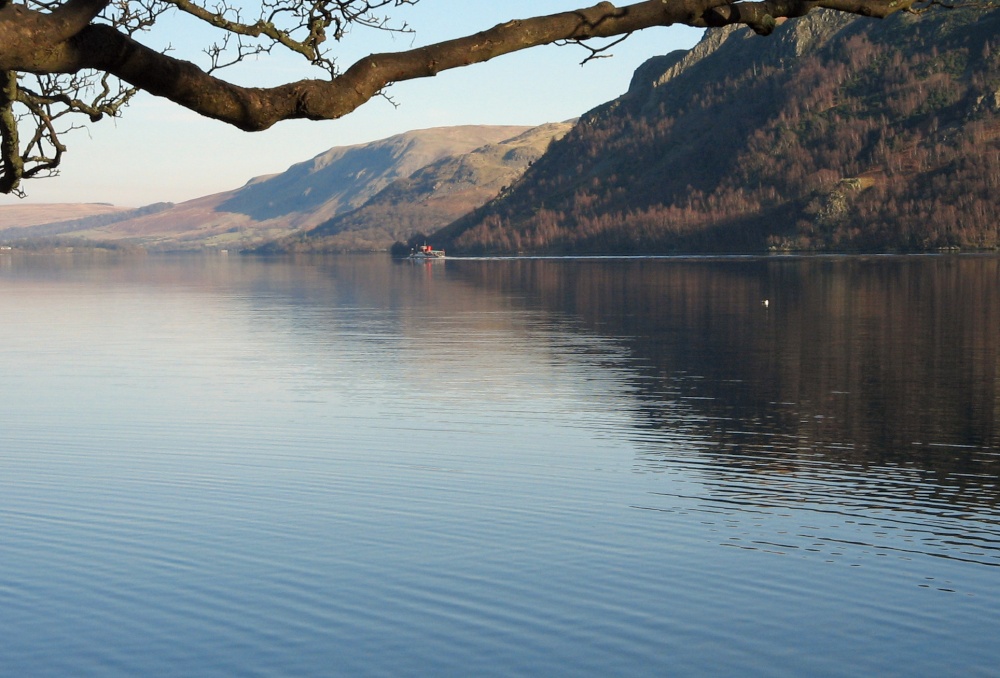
[{"x": 835, "y": 133}]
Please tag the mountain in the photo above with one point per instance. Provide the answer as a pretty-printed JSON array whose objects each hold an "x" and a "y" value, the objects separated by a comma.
[
  {"x": 343, "y": 178},
  {"x": 61, "y": 221},
  {"x": 15, "y": 219},
  {"x": 22, "y": 215},
  {"x": 266, "y": 208},
  {"x": 429, "y": 198},
  {"x": 835, "y": 133}
]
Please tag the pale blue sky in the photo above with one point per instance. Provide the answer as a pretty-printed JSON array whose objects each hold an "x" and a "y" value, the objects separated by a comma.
[{"x": 160, "y": 152}]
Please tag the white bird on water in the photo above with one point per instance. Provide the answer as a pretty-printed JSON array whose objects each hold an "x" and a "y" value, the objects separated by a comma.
[{"x": 765, "y": 303}]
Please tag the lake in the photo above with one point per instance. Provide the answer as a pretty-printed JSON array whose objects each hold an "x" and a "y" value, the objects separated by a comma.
[{"x": 221, "y": 466}]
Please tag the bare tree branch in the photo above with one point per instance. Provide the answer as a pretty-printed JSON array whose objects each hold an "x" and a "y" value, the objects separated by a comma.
[{"x": 74, "y": 15}]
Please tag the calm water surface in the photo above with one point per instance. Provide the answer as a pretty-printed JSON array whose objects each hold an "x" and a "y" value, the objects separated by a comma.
[{"x": 350, "y": 466}]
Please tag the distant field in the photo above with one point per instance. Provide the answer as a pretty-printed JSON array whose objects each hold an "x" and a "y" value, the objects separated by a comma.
[{"x": 13, "y": 216}]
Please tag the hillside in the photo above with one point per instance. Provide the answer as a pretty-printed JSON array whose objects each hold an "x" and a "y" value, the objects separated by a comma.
[
  {"x": 835, "y": 133},
  {"x": 343, "y": 178},
  {"x": 265, "y": 208},
  {"x": 16, "y": 217},
  {"x": 429, "y": 198}
]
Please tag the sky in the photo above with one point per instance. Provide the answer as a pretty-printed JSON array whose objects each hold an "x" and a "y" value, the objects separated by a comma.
[{"x": 158, "y": 151}]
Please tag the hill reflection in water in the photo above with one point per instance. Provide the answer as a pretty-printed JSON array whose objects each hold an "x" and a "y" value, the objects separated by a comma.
[
  {"x": 865, "y": 388},
  {"x": 229, "y": 466},
  {"x": 868, "y": 361}
]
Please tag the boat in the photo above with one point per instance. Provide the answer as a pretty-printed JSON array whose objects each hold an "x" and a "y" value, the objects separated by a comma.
[{"x": 424, "y": 253}]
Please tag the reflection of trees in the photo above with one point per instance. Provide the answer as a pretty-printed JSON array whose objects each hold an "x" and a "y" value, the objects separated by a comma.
[
  {"x": 866, "y": 362},
  {"x": 855, "y": 363}
]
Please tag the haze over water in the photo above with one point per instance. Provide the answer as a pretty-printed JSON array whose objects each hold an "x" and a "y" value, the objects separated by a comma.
[{"x": 353, "y": 466}]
